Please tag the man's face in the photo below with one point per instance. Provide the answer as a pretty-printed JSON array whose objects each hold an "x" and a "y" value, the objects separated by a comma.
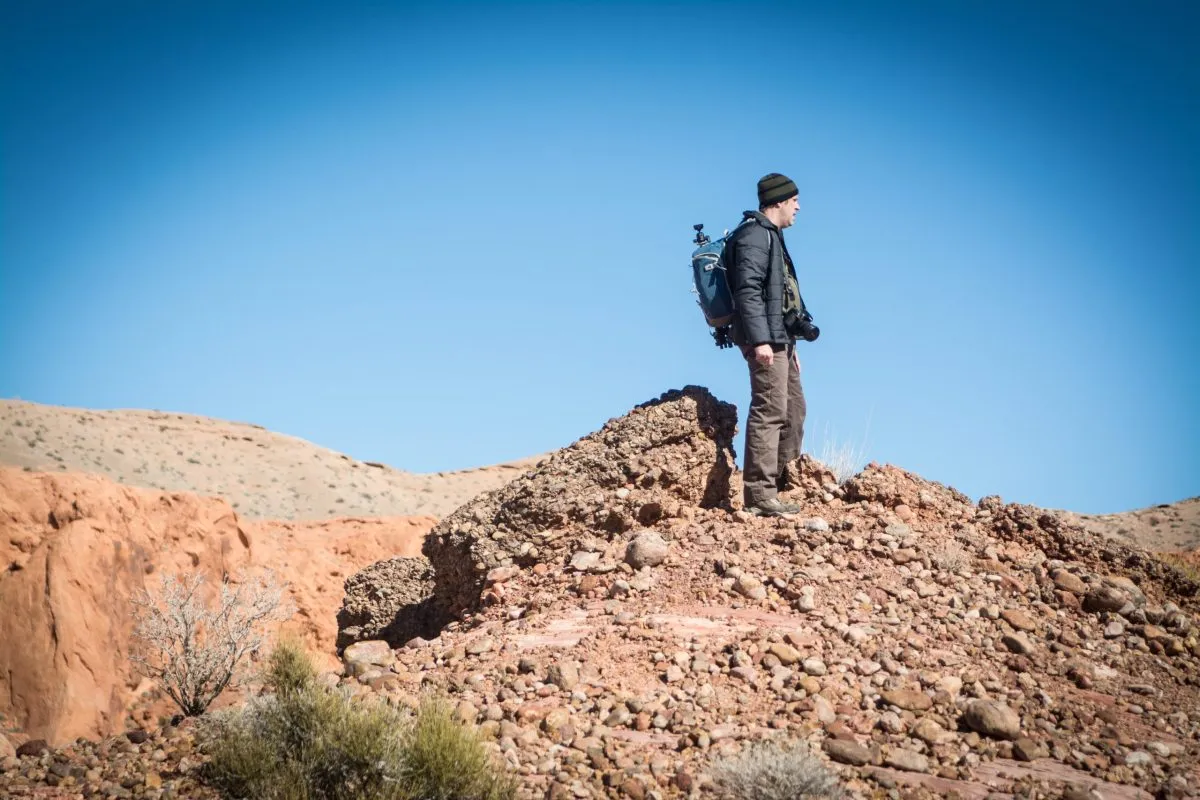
[{"x": 789, "y": 209}]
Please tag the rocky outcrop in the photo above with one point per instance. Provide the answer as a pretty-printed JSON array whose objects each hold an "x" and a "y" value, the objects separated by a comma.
[
  {"x": 665, "y": 454},
  {"x": 75, "y": 548}
]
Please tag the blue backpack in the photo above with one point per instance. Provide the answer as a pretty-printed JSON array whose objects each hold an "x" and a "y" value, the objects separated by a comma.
[{"x": 711, "y": 286}]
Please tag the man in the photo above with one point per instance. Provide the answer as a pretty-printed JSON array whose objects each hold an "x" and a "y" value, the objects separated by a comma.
[{"x": 766, "y": 299}]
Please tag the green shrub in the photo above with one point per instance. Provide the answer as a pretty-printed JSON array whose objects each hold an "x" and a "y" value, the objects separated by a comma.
[
  {"x": 443, "y": 760},
  {"x": 289, "y": 668},
  {"x": 774, "y": 770},
  {"x": 307, "y": 742}
]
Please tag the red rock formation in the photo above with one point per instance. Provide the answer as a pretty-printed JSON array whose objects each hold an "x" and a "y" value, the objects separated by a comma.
[{"x": 75, "y": 548}]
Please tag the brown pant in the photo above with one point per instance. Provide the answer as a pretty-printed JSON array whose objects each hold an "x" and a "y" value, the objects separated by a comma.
[{"x": 775, "y": 423}]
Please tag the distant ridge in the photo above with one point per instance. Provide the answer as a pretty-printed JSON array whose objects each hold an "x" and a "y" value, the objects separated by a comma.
[{"x": 263, "y": 474}]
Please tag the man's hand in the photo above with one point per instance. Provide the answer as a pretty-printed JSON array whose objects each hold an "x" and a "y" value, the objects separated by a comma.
[{"x": 764, "y": 355}]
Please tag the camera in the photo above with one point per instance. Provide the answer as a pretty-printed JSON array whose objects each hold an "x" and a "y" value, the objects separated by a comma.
[{"x": 800, "y": 325}]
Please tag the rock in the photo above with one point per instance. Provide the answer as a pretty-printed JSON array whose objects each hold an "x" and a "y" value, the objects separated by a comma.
[
  {"x": 33, "y": 747},
  {"x": 483, "y": 644},
  {"x": 502, "y": 574},
  {"x": 750, "y": 587},
  {"x": 1026, "y": 749},
  {"x": 816, "y": 525},
  {"x": 907, "y": 760},
  {"x": 359, "y": 656},
  {"x": 646, "y": 549},
  {"x": 907, "y": 699},
  {"x": 786, "y": 654},
  {"x": 1069, "y": 582},
  {"x": 807, "y": 600},
  {"x": 1018, "y": 619},
  {"x": 930, "y": 732},
  {"x": 992, "y": 719},
  {"x": 6, "y": 748},
  {"x": 583, "y": 561},
  {"x": 1126, "y": 587},
  {"x": 814, "y": 666},
  {"x": 563, "y": 674},
  {"x": 1104, "y": 598},
  {"x": 847, "y": 752},
  {"x": 1138, "y": 758},
  {"x": 388, "y": 601},
  {"x": 824, "y": 710},
  {"x": 1017, "y": 643}
]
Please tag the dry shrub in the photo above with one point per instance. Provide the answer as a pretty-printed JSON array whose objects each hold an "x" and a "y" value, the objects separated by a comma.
[
  {"x": 195, "y": 649},
  {"x": 951, "y": 557},
  {"x": 306, "y": 741},
  {"x": 775, "y": 770}
]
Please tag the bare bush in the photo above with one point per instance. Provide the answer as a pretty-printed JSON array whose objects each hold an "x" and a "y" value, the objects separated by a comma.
[
  {"x": 775, "y": 770},
  {"x": 194, "y": 649}
]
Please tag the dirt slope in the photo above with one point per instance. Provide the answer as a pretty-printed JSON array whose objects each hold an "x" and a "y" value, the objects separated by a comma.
[{"x": 263, "y": 475}]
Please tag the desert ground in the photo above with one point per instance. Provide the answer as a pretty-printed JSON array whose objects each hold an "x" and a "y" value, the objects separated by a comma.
[{"x": 606, "y": 615}]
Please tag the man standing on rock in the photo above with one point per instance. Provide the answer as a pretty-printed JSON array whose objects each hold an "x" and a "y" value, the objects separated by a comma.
[{"x": 769, "y": 315}]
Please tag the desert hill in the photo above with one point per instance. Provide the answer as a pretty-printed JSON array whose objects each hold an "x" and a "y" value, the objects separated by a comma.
[
  {"x": 615, "y": 625},
  {"x": 1169, "y": 527},
  {"x": 263, "y": 475}
]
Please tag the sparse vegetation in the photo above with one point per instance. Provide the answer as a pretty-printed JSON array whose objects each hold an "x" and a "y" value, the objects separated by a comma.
[
  {"x": 194, "y": 649},
  {"x": 1189, "y": 569},
  {"x": 307, "y": 741},
  {"x": 843, "y": 459},
  {"x": 952, "y": 557},
  {"x": 774, "y": 770}
]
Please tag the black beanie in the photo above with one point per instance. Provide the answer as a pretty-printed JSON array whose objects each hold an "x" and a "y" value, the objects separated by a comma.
[{"x": 775, "y": 188}]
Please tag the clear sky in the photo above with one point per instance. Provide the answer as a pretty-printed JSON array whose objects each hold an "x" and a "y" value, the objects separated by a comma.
[{"x": 448, "y": 235}]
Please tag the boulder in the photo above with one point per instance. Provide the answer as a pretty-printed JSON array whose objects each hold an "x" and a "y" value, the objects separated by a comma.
[
  {"x": 391, "y": 601},
  {"x": 646, "y": 549}
]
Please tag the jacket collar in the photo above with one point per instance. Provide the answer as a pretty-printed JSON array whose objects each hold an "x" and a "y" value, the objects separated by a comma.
[{"x": 761, "y": 219}]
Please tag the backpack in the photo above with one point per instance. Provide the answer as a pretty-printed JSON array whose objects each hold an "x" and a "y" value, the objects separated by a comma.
[{"x": 710, "y": 284}]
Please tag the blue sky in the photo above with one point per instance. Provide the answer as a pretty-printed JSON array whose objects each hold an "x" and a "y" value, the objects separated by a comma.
[{"x": 450, "y": 235}]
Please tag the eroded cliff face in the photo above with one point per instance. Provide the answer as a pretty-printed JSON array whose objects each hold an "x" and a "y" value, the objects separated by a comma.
[{"x": 74, "y": 550}]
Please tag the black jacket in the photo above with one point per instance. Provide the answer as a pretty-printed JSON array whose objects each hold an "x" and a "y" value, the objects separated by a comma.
[{"x": 755, "y": 273}]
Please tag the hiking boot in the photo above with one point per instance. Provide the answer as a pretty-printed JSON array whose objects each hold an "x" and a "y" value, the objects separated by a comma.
[{"x": 773, "y": 508}]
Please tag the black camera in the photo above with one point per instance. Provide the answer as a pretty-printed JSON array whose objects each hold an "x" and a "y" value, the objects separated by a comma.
[{"x": 800, "y": 326}]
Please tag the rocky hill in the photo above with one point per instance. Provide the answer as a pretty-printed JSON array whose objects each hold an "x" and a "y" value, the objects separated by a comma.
[
  {"x": 615, "y": 626},
  {"x": 263, "y": 475}
]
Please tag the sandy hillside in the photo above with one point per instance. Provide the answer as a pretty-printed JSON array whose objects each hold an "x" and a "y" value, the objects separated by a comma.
[
  {"x": 263, "y": 475},
  {"x": 1173, "y": 527}
]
